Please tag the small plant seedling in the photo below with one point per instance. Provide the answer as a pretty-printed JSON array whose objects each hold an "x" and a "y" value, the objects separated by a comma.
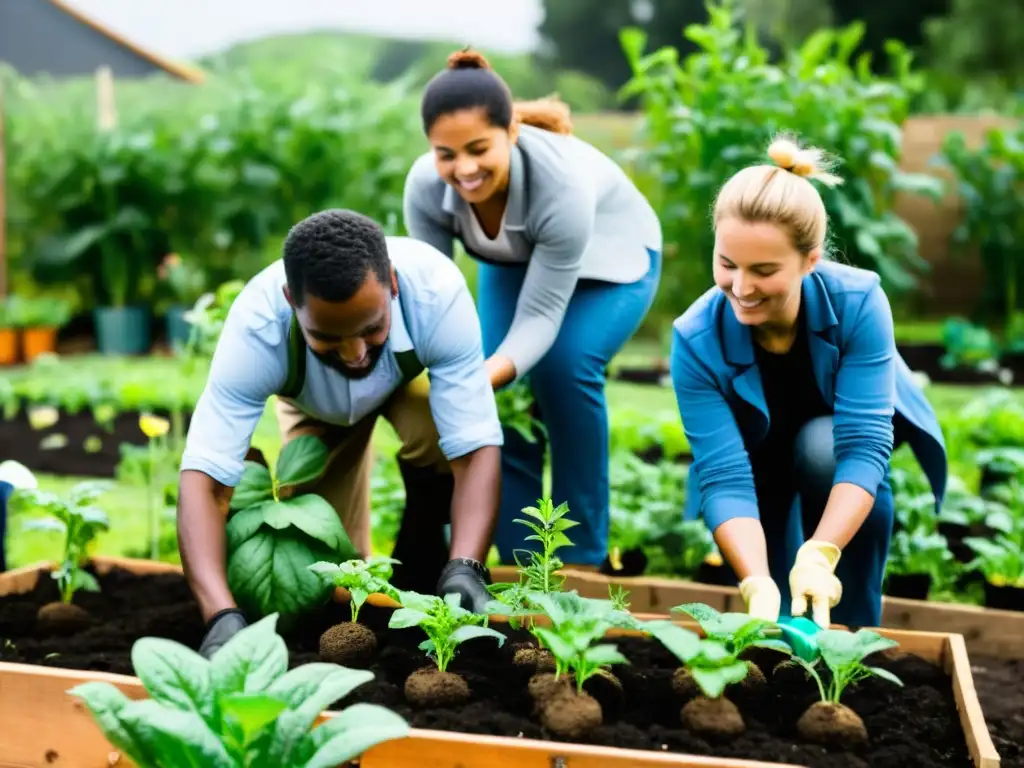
[
  {"x": 712, "y": 667},
  {"x": 549, "y": 524},
  {"x": 244, "y": 707},
  {"x": 80, "y": 521},
  {"x": 828, "y": 721},
  {"x": 573, "y": 640},
  {"x": 738, "y": 632},
  {"x": 274, "y": 534},
  {"x": 349, "y": 643},
  {"x": 447, "y": 625}
]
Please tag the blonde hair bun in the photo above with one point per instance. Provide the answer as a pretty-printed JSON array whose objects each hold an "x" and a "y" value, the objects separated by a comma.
[
  {"x": 808, "y": 162},
  {"x": 468, "y": 59}
]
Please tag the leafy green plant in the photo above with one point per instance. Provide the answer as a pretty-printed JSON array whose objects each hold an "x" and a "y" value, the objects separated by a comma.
[
  {"x": 736, "y": 631},
  {"x": 549, "y": 524},
  {"x": 715, "y": 112},
  {"x": 915, "y": 552},
  {"x": 999, "y": 560},
  {"x": 711, "y": 667},
  {"x": 243, "y": 707},
  {"x": 274, "y": 535},
  {"x": 577, "y": 624},
  {"x": 843, "y": 653},
  {"x": 515, "y": 411},
  {"x": 361, "y": 578},
  {"x": 78, "y": 519},
  {"x": 444, "y": 621}
]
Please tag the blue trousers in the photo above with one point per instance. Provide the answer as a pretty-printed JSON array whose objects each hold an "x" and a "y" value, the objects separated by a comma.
[
  {"x": 861, "y": 568},
  {"x": 6, "y": 491},
  {"x": 568, "y": 386}
]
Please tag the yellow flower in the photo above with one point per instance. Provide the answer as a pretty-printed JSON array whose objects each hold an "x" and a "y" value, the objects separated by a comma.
[
  {"x": 713, "y": 559},
  {"x": 153, "y": 426},
  {"x": 43, "y": 416}
]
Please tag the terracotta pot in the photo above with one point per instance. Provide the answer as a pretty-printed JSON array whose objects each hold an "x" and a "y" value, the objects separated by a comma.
[
  {"x": 37, "y": 341},
  {"x": 8, "y": 346}
]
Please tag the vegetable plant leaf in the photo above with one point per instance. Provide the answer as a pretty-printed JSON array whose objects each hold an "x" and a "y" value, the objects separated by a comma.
[
  {"x": 471, "y": 632},
  {"x": 403, "y": 618},
  {"x": 604, "y": 654},
  {"x": 352, "y": 732},
  {"x": 243, "y": 525},
  {"x": 302, "y": 683},
  {"x": 315, "y": 517},
  {"x": 174, "y": 675},
  {"x": 885, "y": 674},
  {"x": 181, "y": 738},
  {"x": 85, "y": 581},
  {"x": 713, "y": 680},
  {"x": 254, "y": 487},
  {"x": 251, "y": 712},
  {"x": 105, "y": 703},
  {"x": 302, "y": 460},
  {"x": 270, "y": 573},
  {"x": 251, "y": 660},
  {"x": 684, "y": 644}
]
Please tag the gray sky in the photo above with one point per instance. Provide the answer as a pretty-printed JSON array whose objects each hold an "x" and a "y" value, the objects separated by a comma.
[{"x": 185, "y": 29}]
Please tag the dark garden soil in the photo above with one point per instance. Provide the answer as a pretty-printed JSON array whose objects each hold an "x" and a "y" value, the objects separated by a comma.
[
  {"x": 913, "y": 726},
  {"x": 34, "y": 448}
]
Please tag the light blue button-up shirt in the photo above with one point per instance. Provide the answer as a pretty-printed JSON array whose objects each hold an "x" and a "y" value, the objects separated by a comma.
[{"x": 250, "y": 365}]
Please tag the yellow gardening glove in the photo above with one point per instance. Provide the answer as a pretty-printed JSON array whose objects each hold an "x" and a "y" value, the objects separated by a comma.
[
  {"x": 813, "y": 578},
  {"x": 762, "y": 597}
]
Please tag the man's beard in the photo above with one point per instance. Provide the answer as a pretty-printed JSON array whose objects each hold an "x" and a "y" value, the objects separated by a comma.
[{"x": 334, "y": 362}]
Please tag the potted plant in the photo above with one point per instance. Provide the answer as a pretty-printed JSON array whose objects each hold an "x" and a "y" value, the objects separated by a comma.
[
  {"x": 186, "y": 282},
  {"x": 39, "y": 318}
]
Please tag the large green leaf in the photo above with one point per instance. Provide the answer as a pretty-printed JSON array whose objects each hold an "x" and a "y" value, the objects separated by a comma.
[
  {"x": 251, "y": 660},
  {"x": 182, "y": 739},
  {"x": 302, "y": 460},
  {"x": 352, "y": 732},
  {"x": 174, "y": 675},
  {"x": 270, "y": 573},
  {"x": 105, "y": 704},
  {"x": 314, "y": 516},
  {"x": 255, "y": 487}
]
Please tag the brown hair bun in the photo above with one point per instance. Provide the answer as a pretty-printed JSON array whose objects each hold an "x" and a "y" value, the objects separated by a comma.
[{"x": 468, "y": 59}]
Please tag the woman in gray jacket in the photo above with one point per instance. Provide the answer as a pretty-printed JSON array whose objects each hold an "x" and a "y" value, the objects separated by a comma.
[{"x": 569, "y": 257}]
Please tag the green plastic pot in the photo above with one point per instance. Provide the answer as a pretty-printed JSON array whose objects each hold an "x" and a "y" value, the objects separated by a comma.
[
  {"x": 122, "y": 330},
  {"x": 177, "y": 328}
]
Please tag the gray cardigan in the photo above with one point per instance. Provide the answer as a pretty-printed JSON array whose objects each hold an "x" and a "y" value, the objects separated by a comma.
[{"x": 572, "y": 213}]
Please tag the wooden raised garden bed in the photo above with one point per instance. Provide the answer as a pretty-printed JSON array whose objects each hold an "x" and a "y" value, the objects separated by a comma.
[{"x": 937, "y": 721}]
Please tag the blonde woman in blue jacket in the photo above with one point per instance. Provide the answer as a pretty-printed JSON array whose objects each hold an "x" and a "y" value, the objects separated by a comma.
[
  {"x": 793, "y": 397},
  {"x": 569, "y": 256}
]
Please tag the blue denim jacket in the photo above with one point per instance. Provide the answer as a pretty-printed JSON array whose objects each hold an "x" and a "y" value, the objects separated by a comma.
[{"x": 858, "y": 371}]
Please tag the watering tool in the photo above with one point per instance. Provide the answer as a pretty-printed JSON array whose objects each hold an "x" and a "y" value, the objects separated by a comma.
[{"x": 800, "y": 634}]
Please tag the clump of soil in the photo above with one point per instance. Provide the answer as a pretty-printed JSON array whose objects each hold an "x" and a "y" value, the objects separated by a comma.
[
  {"x": 685, "y": 686},
  {"x": 349, "y": 644},
  {"x": 571, "y": 715},
  {"x": 544, "y": 686},
  {"x": 825, "y": 722},
  {"x": 430, "y": 687},
  {"x": 59, "y": 618},
  {"x": 532, "y": 657},
  {"x": 715, "y": 718}
]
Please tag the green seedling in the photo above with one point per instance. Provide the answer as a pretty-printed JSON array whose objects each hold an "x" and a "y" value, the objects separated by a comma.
[
  {"x": 577, "y": 626},
  {"x": 447, "y": 625},
  {"x": 274, "y": 534},
  {"x": 549, "y": 524},
  {"x": 244, "y": 707},
  {"x": 829, "y": 721},
  {"x": 79, "y": 520},
  {"x": 709, "y": 668},
  {"x": 350, "y": 643}
]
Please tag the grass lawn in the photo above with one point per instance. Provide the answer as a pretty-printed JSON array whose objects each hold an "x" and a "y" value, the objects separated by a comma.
[{"x": 126, "y": 504}]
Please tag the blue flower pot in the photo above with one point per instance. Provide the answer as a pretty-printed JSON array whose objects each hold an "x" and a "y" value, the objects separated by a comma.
[
  {"x": 122, "y": 330},
  {"x": 178, "y": 328}
]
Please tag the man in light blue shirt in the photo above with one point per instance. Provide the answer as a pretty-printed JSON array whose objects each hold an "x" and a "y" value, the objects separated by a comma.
[{"x": 339, "y": 330}]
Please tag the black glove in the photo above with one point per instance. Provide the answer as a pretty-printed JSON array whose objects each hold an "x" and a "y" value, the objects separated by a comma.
[
  {"x": 469, "y": 579},
  {"x": 222, "y": 627}
]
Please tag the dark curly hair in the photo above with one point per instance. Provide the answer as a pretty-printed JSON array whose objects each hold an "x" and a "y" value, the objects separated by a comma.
[{"x": 328, "y": 255}]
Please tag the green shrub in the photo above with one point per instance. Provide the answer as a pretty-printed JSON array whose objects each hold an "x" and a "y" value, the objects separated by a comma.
[
  {"x": 219, "y": 171},
  {"x": 716, "y": 112}
]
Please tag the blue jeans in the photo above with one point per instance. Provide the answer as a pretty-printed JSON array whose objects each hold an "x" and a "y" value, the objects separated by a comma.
[
  {"x": 861, "y": 568},
  {"x": 568, "y": 386}
]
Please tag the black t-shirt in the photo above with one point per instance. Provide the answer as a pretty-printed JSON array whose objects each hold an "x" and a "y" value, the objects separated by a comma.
[{"x": 792, "y": 395}]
